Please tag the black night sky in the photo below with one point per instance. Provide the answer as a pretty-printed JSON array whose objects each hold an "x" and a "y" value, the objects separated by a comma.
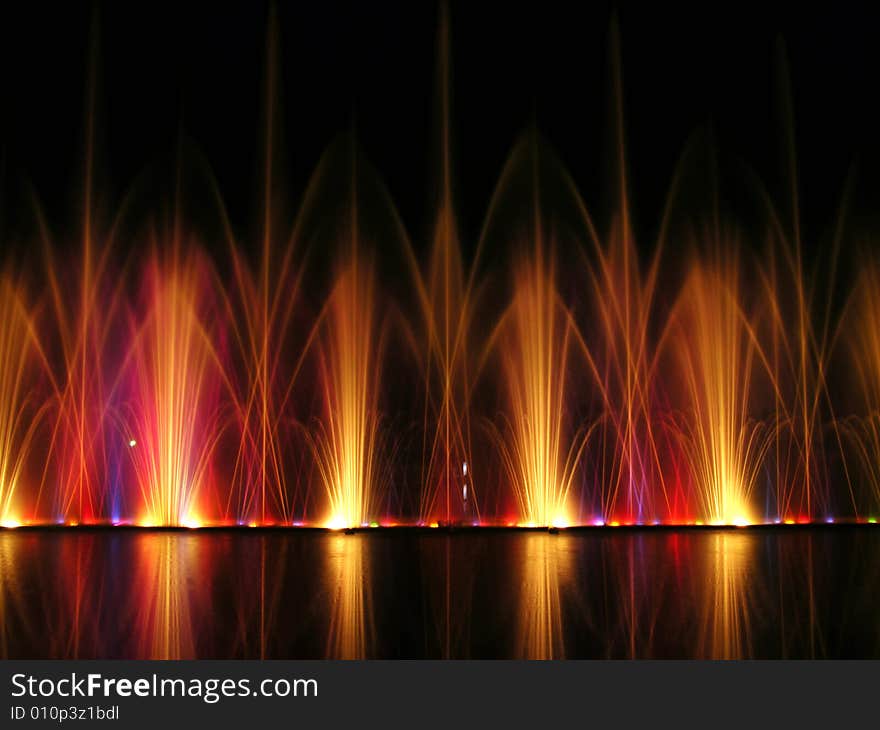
[{"x": 198, "y": 68}]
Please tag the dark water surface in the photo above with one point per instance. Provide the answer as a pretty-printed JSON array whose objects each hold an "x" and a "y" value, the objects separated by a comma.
[{"x": 297, "y": 594}]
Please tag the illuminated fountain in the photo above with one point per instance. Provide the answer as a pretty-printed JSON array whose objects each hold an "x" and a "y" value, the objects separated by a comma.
[
  {"x": 862, "y": 430},
  {"x": 715, "y": 342},
  {"x": 797, "y": 340},
  {"x": 622, "y": 299},
  {"x": 84, "y": 306},
  {"x": 173, "y": 424},
  {"x": 535, "y": 355},
  {"x": 798, "y": 354},
  {"x": 75, "y": 482},
  {"x": 630, "y": 488},
  {"x": 610, "y": 399},
  {"x": 345, "y": 441},
  {"x": 85, "y": 310},
  {"x": 264, "y": 300},
  {"x": 538, "y": 453},
  {"x": 19, "y": 413},
  {"x": 446, "y": 303}
]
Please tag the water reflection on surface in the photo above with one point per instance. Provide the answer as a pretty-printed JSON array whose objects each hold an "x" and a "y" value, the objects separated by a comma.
[
  {"x": 546, "y": 568},
  {"x": 721, "y": 594},
  {"x": 726, "y": 625},
  {"x": 350, "y": 609},
  {"x": 165, "y": 566}
]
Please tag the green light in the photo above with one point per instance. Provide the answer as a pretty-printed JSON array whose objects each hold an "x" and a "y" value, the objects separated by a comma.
[
  {"x": 872, "y": 520},
  {"x": 374, "y": 524}
]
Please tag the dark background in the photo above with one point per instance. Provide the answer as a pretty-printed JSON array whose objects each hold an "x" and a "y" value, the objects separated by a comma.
[{"x": 198, "y": 68}]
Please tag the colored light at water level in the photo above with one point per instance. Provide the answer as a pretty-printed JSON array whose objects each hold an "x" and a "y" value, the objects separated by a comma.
[
  {"x": 336, "y": 522},
  {"x": 736, "y": 521}
]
